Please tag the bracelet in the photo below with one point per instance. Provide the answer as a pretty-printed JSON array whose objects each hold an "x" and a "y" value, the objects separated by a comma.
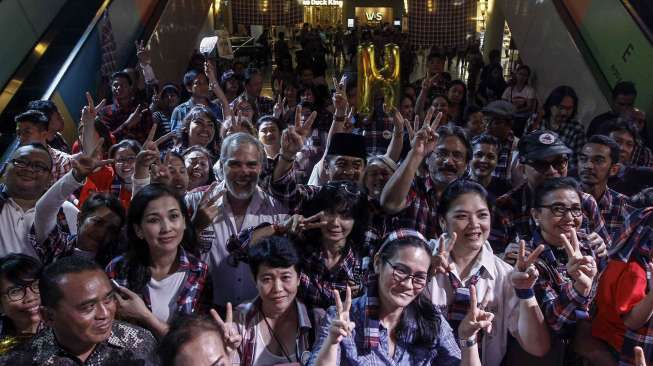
[
  {"x": 524, "y": 294},
  {"x": 466, "y": 343}
]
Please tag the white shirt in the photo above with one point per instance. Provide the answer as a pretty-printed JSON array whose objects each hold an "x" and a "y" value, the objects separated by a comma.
[
  {"x": 263, "y": 356},
  {"x": 234, "y": 284},
  {"x": 514, "y": 96},
  {"x": 494, "y": 284},
  {"x": 48, "y": 205},
  {"x": 15, "y": 224},
  {"x": 163, "y": 295}
]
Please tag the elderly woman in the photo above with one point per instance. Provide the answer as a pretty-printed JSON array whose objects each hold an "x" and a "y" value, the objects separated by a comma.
[
  {"x": 465, "y": 258},
  {"x": 567, "y": 266},
  {"x": 395, "y": 322},
  {"x": 198, "y": 162}
]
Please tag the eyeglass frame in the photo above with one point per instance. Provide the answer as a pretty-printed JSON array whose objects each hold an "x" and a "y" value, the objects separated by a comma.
[
  {"x": 555, "y": 164},
  {"x": 35, "y": 290},
  {"x": 566, "y": 209},
  {"x": 31, "y": 165},
  {"x": 411, "y": 276}
]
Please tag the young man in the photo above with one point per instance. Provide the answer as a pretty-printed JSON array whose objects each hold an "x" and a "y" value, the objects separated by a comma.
[
  {"x": 598, "y": 161},
  {"x": 253, "y": 87},
  {"x": 623, "y": 100},
  {"x": 485, "y": 155},
  {"x": 78, "y": 306},
  {"x": 197, "y": 84},
  {"x": 630, "y": 178},
  {"x": 56, "y": 125},
  {"x": 498, "y": 118}
]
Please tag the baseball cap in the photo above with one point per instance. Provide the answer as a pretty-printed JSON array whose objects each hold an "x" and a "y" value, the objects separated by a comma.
[
  {"x": 227, "y": 75},
  {"x": 541, "y": 144},
  {"x": 499, "y": 108}
]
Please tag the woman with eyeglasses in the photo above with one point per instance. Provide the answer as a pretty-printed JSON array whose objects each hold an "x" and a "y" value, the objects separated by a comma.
[
  {"x": 124, "y": 161},
  {"x": 567, "y": 268},
  {"x": 465, "y": 258},
  {"x": 19, "y": 300},
  {"x": 330, "y": 237},
  {"x": 395, "y": 323}
]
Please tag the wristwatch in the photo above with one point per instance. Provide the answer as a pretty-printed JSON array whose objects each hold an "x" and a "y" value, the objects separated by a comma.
[{"x": 466, "y": 343}]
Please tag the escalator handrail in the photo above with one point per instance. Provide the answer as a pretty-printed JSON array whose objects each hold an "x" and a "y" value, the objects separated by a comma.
[
  {"x": 648, "y": 33},
  {"x": 78, "y": 46}
]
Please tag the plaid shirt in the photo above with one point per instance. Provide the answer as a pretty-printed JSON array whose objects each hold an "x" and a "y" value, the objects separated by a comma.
[
  {"x": 642, "y": 156},
  {"x": 368, "y": 344},
  {"x": 571, "y": 133},
  {"x": 561, "y": 304},
  {"x": 376, "y": 133},
  {"x": 248, "y": 316},
  {"x": 193, "y": 295},
  {"x": 511, "y": 218},
  {"x": 113, "y": 116},
  {"x": 317, "y": 282},
  {"x": 614, "y": 209},
  {"x": 420, "y": 209},
  {"x": 506, "y": 151},
  {"x": 61, "y": 164}
]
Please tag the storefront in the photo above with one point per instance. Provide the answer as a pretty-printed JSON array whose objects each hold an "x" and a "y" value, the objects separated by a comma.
[{"x": 323, "y": 12}]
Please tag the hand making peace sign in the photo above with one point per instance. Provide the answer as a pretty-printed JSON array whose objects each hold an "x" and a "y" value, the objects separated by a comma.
[
  {"x": 230, "y": 335},
  {"x": 525, "y": 274},
  {"x": 440, "y": 262},
  {"x": 341, "y": 326},
  {"x": 581, "y": 269},
  {"x": 475, "y": 319}
]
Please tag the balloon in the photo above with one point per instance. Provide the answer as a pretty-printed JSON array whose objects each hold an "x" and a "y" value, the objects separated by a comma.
[{"x": 372, "y": 80}]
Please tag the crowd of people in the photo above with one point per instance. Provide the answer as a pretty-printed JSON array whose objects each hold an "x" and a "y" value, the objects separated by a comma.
[{"x": 207, "y": 224}]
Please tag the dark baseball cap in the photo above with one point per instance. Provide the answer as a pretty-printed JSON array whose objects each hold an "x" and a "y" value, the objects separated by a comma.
[
  {"x": 229, "y": 74},
  {"x": 541, "y": 144},
  {"x": 500, "y": 108}
]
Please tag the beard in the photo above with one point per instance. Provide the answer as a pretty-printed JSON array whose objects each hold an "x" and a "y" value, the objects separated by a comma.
[{"x": 241, "y": 195}]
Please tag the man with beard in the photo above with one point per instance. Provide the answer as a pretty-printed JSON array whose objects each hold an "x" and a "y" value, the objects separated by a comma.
[
  {"x": 224, "y": 210},
  {"x": 542, "y": 155},
  {"x": 413, "y": 198},
  {"x": 598, "y": 161},
  {"x": 26, "y": 177},
  {"x": 485, "y": 154}
]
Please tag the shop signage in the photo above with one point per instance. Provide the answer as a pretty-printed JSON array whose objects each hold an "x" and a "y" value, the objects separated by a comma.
[
  {"x": 322, "y": 2},
  {"x": 373, "y": 15}
]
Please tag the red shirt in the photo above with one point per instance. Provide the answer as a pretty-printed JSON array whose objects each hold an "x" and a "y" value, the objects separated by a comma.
[{"x": 622, "y": 286}]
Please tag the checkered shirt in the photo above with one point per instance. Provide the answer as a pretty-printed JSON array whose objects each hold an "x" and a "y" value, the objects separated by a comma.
[
  {"x": 61, "y": 163},
  {"x": 419, "y": 212},
  {"x": 377, "y": 134},
  {"x": 614, "y": 209},
  {"x": 642, "y": 156},
  {"x": 506, "y": 149},
  {"x": 561, "y": 304},
  {"x": 113, "y": 116},
  {"x": 192, "y": 295},
  {"x": 511, "y": 218}
]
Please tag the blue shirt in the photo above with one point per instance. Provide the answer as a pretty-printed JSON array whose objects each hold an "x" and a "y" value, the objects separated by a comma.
[
  {"x": 180, "y": 112},
  {"x": 443, "y": 352}
]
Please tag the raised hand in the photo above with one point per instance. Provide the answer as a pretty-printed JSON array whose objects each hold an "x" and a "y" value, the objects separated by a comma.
[
  {"x": 277, "y": 110},
  {"x": 440, "y": 262},
  {"x": 581, "y": 269},
  {"x": 232, "y": 339},
  {"x": 341, "y": 326},
  {"x": 130, "y": 305},
  {"x": 88, "y": 161},
  {"x": 339, "y": 98},
  {"x": 149, "y": 155},
  {"x": 209, "y": 70},
  {"x": 525, "y": 274},
  {"x": 426, "y": 138},
  {"x": 89, "y": 114},
  {"x": 475, "y": 319},
  {"x": 296, "y": 224},
  {"x": 135, "y": 118},
  {"x": 399, "y": 121},
  {"x": 304, "y": 128},
  {"x": 640, "y": 360},
  {"x": 207, "y": 210},
  {"x": 142, "y": 53}
]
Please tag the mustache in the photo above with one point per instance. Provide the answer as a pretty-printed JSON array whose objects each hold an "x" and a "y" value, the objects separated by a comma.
[{"x": 448, "y": 168}]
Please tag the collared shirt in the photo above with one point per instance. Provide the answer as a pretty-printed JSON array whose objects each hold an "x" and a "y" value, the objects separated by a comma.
[
  {"x": 561, "y": 304},
  {"x": 233, "y": 279},
  {"x": 317, "y": 282},
  {"x": 511, "y": 218},
  {"x": 353, "y": 350},
  {"x": 571, "y": 132},
  {"x": 420, "y": 209},
  {"x": 493, "y": 285},
  {"x": 636, "y": 237},
  {"x": 17, "y": 225},
  {"x": 126, "y": 343},
  {"x": 614, "y": 209},
  {"x": 248, "y": 318},
  {"x": 191, "y": 294},
  {"x": 61, "y": 164},
  {"x": 181, "y": 111}
]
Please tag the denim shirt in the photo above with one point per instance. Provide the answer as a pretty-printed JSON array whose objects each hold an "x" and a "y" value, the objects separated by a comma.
[{"x": 352, "y": 351}]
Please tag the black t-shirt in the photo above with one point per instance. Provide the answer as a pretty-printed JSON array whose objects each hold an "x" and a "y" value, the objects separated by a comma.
[{"x": 497, "y": 188}]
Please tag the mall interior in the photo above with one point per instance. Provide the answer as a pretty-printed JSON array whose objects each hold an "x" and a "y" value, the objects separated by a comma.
[{"x": 59, "y": 47}]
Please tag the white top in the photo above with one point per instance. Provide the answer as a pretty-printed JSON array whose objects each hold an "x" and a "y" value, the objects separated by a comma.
[
  {"x": 503, "y": 303},
  {"x": 163, "y": 295},
  {"x": 514, "y": 96},
  {"x": 48, "y": 205},
  {"x": 263, "y": 356},
  {"x": 235, "y": 283},
  {"x": 16, "y": 225}
]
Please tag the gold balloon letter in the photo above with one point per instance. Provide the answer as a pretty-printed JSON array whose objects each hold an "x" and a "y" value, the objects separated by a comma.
[{"x": 372, "y": 80}]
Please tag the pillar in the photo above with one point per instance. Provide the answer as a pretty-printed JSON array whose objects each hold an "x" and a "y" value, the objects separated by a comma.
[{"x": 493, "y": 28}]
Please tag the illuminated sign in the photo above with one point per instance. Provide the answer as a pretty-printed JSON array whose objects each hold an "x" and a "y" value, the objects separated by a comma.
[
  {"x": 323, "y": 2},
  {"x": 373, "y": 15}
]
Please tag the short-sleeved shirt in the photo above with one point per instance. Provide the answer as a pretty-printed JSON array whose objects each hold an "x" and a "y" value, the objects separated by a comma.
[{"x": 622, "y": 286}]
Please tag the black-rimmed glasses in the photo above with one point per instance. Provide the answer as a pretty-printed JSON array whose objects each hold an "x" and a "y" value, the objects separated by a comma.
[
  {"x": 401, "y": 274},
  {"x": 18, "y": 293},
  {"x": 559, "y": 210}
]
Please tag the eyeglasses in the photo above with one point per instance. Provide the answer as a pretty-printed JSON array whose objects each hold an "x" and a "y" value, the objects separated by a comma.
[
  {"x": 400, "y": 274},
  {"x": 543, "y": 166},
  {"x": 455, "y": 155},
  {"x": 559, "y": 210},
  {"x": 32, "y": 165},
  {"x": 17, "y": 293}
]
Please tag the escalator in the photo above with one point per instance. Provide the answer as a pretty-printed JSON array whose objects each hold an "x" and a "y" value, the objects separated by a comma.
[
  {"x": 65, "y": 60},
  {"x": 590, "y": 45}
]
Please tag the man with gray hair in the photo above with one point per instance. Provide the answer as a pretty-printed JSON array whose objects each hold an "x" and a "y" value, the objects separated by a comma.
[{"x": 226, "y": 208}]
